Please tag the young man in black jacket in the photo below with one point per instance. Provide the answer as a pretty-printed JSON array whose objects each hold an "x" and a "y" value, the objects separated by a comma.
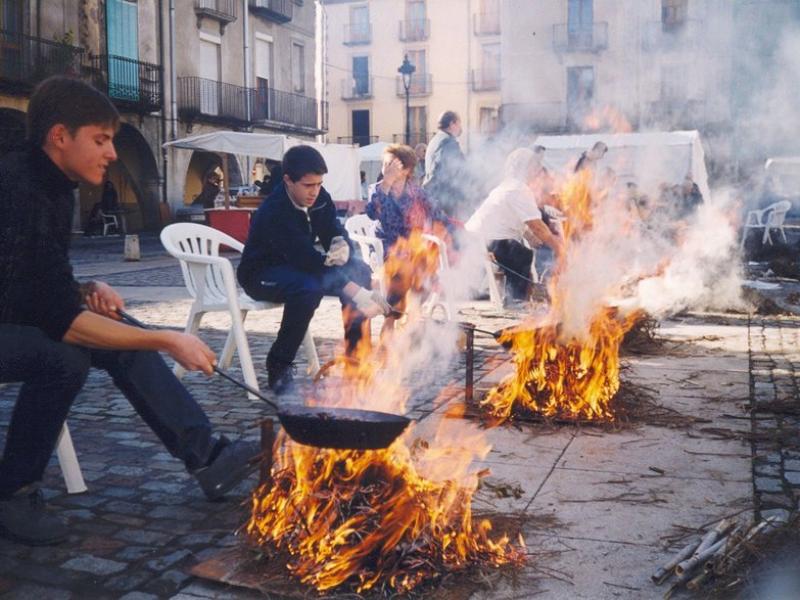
[
  {"x": 281, "y": 264},
  {"x": 52, "y": 330}
]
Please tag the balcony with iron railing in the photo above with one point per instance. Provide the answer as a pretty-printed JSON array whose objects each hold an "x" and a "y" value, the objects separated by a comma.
[
  {"x": 415, "y": 137},
  {"x": 279, "y": 11},
  {"x": 414, "y": 30},
  {"x": 223, "y": 11},
  {"x": 357, "y": 88},
  {"x": 485, "y": 80},
  {"x": 26, "y": 60},
  {"x": 486, "y": 23},
  {"x": 421, "y": 85},
  {"x": 669, "y": 37},
  {"x": 580, "y": 38},
  {"x": 361, "y": 140},
  {"x": 132, "y": 84},
  {"x": 207, "y": 99},
  {"x": 356, "y": 34},
  {"x": 288, "y": 109}
]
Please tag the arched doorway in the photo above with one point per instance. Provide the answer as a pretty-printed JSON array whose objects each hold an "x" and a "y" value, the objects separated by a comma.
[
  {"x": 135, "y": 177},
  {"x": 12, "y": 130}
]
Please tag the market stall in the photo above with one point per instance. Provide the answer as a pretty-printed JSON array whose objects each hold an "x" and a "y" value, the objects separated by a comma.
[{"x": 341, "y": 181}]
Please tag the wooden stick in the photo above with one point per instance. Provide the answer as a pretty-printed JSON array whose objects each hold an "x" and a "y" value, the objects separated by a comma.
[
  {"x": 712, "y": 536},
  {"x": 698, "y": 581},
  {"x": 663, "y": 572},
  {"x": 688, "y": 565}
]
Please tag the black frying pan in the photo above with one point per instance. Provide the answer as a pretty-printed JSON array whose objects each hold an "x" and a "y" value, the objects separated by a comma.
[{"x": 325, "y": 427}]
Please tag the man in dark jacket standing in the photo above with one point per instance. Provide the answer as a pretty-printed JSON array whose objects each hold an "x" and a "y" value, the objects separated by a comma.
[
  {"x": 52, "y": 330},
  {"x": 281, "y": 264},
  {"x": 445, "y": 172}
]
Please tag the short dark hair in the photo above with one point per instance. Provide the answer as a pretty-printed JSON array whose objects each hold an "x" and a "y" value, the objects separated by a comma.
[
  {"x": 299, "y": 161},
  {"x": 448, "y": 118},
  {"x": 70, "y": 102}
]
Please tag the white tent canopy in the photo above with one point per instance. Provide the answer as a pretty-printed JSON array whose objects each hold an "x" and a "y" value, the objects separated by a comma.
[
  {"x": 649, "y": 159},
  {"x": 342, "y": 180},
  {"x": 371, "y": 159},
  {"x": 373, "y": 152}
]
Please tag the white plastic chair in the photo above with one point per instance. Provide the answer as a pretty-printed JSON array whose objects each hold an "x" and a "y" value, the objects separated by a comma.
[
  {"x": 210, "y": 280},
  {"x": 361, "y": 230},
  {"x": 110, "y": 221},
  {"x": 771, "y": 217},
  {"x": 68, "y": 461}
]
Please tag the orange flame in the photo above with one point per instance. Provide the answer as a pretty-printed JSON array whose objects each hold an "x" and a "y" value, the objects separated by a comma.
[
  {"x": 608, "y": 118},
  {"x": 386, "y": 519},
  {"x": 571, "y": 375}
]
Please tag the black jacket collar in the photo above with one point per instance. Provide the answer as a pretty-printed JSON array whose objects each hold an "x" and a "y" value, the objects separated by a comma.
[{"x": 51, "y": 178}]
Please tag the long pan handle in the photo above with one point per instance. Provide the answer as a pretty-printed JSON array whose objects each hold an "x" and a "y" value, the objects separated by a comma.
[
  {"x": 399, "y": 314},
  {"x": 134, "y": 321}
]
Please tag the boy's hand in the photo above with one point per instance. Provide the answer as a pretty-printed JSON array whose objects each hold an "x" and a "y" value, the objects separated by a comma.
[{"x": 104, "y": 300}]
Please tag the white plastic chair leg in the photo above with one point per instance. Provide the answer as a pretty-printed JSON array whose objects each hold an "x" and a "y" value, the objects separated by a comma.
[
  {"x": 767, "y": 237},
  {"x": 68, "y": 460},
  {"x": 495, "y": 295},
  {"x": 311, "y": 353},
  {"x": 243, "y": 350},
  {"x": 226, "y": 357},
  {"x": 192, "y": 326},
  {"x": 783, "y": 235}
]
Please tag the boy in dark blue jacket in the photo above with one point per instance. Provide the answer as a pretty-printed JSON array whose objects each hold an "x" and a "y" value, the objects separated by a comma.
[{"x": 281, "y": 264}]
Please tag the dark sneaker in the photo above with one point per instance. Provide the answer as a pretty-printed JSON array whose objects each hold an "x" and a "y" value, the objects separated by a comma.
[
  {"x": 280, "y": 376},
  {"x": 24, "y": 518},
  {"x": 234, "y": 462}
]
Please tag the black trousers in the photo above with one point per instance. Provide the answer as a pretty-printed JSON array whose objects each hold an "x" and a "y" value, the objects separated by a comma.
[
  {"x": 301, "y": 293},
  {"x": 515, "y": 259},
  {"x": 53, "y": 373}
]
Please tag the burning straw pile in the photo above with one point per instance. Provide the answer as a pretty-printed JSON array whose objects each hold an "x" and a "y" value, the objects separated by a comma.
[
  {"x": 384, "y": 521},
  {"x": 567, "y": 367},
  {"x": 369, "y": 521}
]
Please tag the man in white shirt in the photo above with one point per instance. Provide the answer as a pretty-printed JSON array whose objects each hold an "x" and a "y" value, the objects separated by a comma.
[{"x": 508, "y": 215}]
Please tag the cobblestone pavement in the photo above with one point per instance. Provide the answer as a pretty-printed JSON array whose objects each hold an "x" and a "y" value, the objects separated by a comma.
[
  {"x": 774, "y": 344},
  {"x": 591, "y": 505}
]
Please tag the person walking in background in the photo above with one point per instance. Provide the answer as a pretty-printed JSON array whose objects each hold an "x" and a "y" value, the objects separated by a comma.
[{"x": 445, "y": 169}]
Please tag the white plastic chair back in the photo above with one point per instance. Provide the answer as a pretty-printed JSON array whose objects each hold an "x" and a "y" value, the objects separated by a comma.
[
  {"x": 362, "y": 230},
  {"x": 204, "y": 280},
  {"x": 110, "y": 221},
  {"x": 776, "y": 214},
  {"x": 771, "y": 217}
]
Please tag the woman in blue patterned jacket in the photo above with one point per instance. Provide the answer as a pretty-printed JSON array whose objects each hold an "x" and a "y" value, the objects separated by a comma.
[{"x": 401, "y": 207}]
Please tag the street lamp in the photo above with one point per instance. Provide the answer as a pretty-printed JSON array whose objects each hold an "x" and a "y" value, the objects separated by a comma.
[{"x": 407, "y": 70}]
